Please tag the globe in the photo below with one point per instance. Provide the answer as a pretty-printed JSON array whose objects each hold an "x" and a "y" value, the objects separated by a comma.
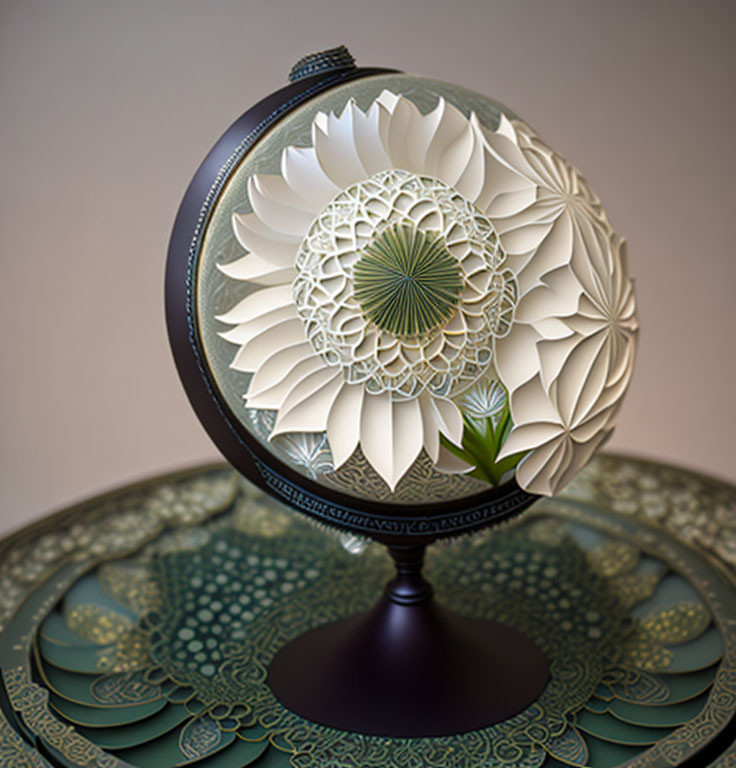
[{"x": 398, "y": 310}]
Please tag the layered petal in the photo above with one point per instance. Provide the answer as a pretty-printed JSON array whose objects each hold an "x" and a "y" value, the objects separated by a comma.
[
  {"x": 259, "y": 303},
  {"x": 303, "y": 172},
  {"x": 344, "y": 422},
  {"x": 307, "y": 405},
  {"x": 270, "y": 245},
  {"x": 253, "y": 269},
  {"x": 391, "y": 435}
]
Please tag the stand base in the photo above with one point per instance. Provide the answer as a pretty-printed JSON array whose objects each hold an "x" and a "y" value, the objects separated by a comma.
[{"x": 409, "y": 670}]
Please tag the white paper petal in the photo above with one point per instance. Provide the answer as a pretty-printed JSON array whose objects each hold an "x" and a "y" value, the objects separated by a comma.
[
  {"x": 388, "y": 99},
  {"x": 251, "y": 355},
  {"x": 622, "y": 362},
  {"x": 587, "y": 431},
  {"x": 579, "y": 374},
  {"x": 447, "y": 417},
  {"x": 529, "y": 436},
  {"x": 391, "y": 435},
  {"x": 537, "y": 469},
  {"x": 503, "y": 145},
  {"x": 451, "y": 128},
  {"x": 525, "y": 236},
  {"x": 471, "y": 181},
  {"x": 457, "y": 156},
  {"x": 270, "y": 245},
  {"x": 424, "y": 129},
  {"x": 278, "y": 190},
  {"x": 376, "y": 432},
  {"x": 552, "y": 357},
  {"x": 591, "y": 259},
  {"x": 516, "y": 356},
  {"x": 266, "y": 393},
  {"x": 406, "y": 438},
  {"x": 254, "y": 269},
  {"x": 531, "y": 403},
  {"x": 368, "y": 133},
  {"x": 430, "y": 431},
  {"x": 450, "y": 464},
  {"x": 553, "y": 328},
  {"x": 303, "y": 173},
  {"x": 557, "y": 296},
  {"x": 336, "y": 151},
  {"x": 259, "y": 303},
  {"x": 501, "y": 202},
  {"x": 595, "y": 382},
  {"x": 277, "y": 214},
  {"x": 399, "y": 132},
  {"x": 343, "y": 423},
  {"x": 276, "y": 367},
  {"x": 553, "y": 252},
  {"x": 574, "y": 464},
  {"x": 306, "y": 407},
  {"x": 244, "y": 332}
]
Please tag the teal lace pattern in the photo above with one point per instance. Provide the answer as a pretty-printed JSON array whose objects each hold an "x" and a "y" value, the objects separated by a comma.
[{"x": 156, "y": 653}]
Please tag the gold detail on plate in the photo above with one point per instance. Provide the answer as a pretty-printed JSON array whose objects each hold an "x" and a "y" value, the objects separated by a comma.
[
  {"x": 98, "y": 625},
  {"x": 642, "y": 654},
  {"x": 131, "y": 652},
  {"x": 702, "y": 729},
  {"x": 116, "y": 524},
  {"x": 14, "y": 753},
  {"x": 695, "y": 509},
  {"x": 545, "y": 531},
  {"x": 635, "y": 588},
  {"x": 614, "y": 557},
  {"x": 199, "y": 737},
  {"x": 255, "y": 515},
  {"x": 726, "y": 761},
  {"x": 31, "y": 702},
  {"x": 131, "y": 586},
  {"x": 123, "y": 690},
  {"x": 674, "y": 625},
  {"x": 679, "y": 624}
]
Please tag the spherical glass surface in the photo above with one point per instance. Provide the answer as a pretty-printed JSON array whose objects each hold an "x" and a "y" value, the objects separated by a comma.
[{"x": 404, "y": 295}]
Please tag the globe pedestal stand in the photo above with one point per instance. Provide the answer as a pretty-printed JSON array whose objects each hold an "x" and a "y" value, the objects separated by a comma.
[{"x": 409, "y": 667}]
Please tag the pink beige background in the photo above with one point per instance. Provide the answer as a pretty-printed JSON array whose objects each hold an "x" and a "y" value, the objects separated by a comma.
[{"x": 107, "y": 108}]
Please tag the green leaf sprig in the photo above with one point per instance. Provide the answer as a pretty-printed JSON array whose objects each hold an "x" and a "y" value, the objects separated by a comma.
[{"x": 482, "y": 442}]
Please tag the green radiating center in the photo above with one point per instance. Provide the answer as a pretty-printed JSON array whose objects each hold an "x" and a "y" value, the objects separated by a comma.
[{"x": 407, "y": 282}]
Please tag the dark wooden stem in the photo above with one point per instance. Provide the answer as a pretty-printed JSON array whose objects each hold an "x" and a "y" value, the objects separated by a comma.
[{"x": 409, "y": 587}]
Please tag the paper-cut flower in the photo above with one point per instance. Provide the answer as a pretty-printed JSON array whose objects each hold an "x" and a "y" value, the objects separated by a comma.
[
  {"x": 564, "y": 412},
  {"x": 569, "y": 358},
  {"x": 404, "y": 259}
]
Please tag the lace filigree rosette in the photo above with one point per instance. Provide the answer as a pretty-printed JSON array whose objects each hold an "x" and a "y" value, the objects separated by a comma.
[{"x": 443, "y": 360}]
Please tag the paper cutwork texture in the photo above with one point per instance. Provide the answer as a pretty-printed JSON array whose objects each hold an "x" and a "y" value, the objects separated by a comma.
[
  {"x": 404, "y": 263},
  {"x": 151, "y": 648}
]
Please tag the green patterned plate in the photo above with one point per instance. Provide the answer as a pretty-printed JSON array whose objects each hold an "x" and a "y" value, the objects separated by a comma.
[{"x": 136, "y": 629}]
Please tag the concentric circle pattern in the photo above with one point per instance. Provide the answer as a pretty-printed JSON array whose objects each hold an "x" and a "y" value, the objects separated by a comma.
[{"x": 407, "y": 283}]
